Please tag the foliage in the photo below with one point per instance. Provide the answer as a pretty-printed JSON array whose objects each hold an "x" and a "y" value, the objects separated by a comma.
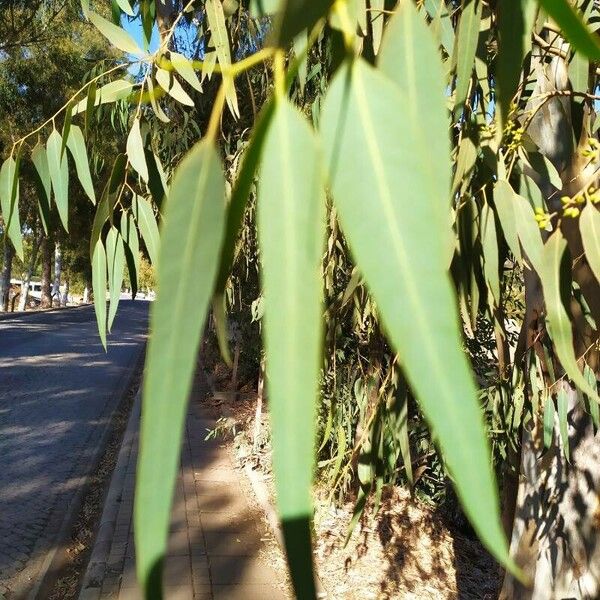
[{"x": 398, "y": 161}]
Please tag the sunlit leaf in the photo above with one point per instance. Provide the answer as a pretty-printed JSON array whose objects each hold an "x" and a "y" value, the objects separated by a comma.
[
  {"x": 59, "y": 174},
  {"x": 9, "y": 203},
  {"x": 76, "y": 145},
  {"x": 125, "y": 7},
  {"x": 144, "y": 217},
  {"x": 589, "y": 226},
  {"x": 173, "y": 87},
  {"x": 183, "y": 66},
  {"x": 111, "y": 92},
  {"x": 408, "y": 45},
  {"x": 387, "y": 199},
  {"x": 291, "y": 225},
  {"x": 99, "y": 287},
  {"x": 115, "y": 262},
  {"x": 135, "y": 150},
  {"x": 192, "y": 235},
  {"x": 572, "y": 27},
  {"x": 40, "y": 161},
  {"x": 466, "y": 46},
  {"x": 220, "y": 39},
  {"x": 117, "y": 36}
]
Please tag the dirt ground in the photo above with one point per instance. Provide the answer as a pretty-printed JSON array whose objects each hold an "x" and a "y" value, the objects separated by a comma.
[{"x": 406, "y": 551}]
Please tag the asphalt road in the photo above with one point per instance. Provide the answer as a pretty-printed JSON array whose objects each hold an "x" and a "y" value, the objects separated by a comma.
[{"x": 58, "y": 389}]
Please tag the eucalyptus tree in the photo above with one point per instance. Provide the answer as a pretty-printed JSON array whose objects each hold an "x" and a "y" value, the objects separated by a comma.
[{"x": 455, "y": 150}]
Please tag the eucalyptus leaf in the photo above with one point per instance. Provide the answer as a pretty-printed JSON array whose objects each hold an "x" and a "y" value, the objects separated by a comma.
[
  {"x": 192, "y": 236},
  {"x": 146, "y": 221},
  {"x": 59, "y": 175},
  {"x": 76, "y": 145},
  {"x": 99, "y": 280},
  {"x": 589, "y": 226},
  {"x": 291, "y": 225},
  {"x": 398, "y": 242},
  {"x": 135, "y": 150}
]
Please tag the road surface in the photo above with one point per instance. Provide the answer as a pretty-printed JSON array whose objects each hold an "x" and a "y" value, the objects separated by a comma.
[{"x": 58, "y": 389}]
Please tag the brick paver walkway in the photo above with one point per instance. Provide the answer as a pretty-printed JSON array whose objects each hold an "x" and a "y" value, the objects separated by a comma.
[
  {"x": 216, "y": 535},
  {"x": 58, "y": 390}
]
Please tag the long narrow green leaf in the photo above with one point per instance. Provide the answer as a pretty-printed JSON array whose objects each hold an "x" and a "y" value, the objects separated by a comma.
[
  {"x": 562, "y": 404},
  {"x": 59, "y": 174},
  {"x": 549, "y": 412},
  {"x": 528, "y": 232},
  {"x": 572, "y": 27},
  {"x": 111, "y": 92},
  {"x": 135, "y": 150},
  {"x": 117, "y": 36},
  {"x": 192, "y": 236},
  {"x": 76, "y": 145},
  {"x": 489, "y": 244},
  {"x": 100, "y": 219},
  {"x": 184, "y": 67},
  {"x": 294, "y": 16},
  {"x": 43, "y": 182},
  {"x": 466, "y": 46},
  {"x": 515, "y": 20},
  {"x": 168, "y": 83},
  {"x": 291, "y": 225},
  {"x": 99, "y": 288},
  {"x": 441, "y": 23},
  {"x": 144, "y": 217},
  {"x": 504, "y": 197},
  {"x": 559, "y": 324},
  {"x": 589, "y": 227},
  {"x": 115, "y": 259},
  {"x": 408, "y": 45},
  {"x": 218, "y": 29},
  {"x": 9, "y": 203},
  {"x": 397, "y": 239},
  {"x": 132, "y": 250}
]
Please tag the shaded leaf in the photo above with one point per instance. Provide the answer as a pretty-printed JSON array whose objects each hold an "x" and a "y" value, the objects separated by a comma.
[
  {"x": 549, "y": 412},
  {"x": 559, "y": 323},
  {"x": 115, "y": 262},
  {"x": 76, "y": 145},
  {"x": 99, "y": 287},
  {"x": 562, "y": 403},
  {"x": 504, "y": 198},
  {"x": 291, "y": 226},
  {"x": 192, "y": 235},
  {"x": 132, "y": 250},
  {"x": 466, "y": 46},
  {"x": 294, "y": 16},
  {"x": 59, "y": 175},
  {"x": 146, "y": 221},
  {"x": 515, "y": 21},
  {"x": 399, "y": 245}
]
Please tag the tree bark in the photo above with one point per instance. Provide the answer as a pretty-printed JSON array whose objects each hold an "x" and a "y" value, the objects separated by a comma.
[
  {"x": 86, "y": 295},
  {"x": 46, "y": 273},
  {"x": 64, "y": 297},
  {"x": 57, "y": 274},
  {"x": 5, "y": 275},
  {"x": 555, "y": 531},
  {"x": 30, "y": 269}
]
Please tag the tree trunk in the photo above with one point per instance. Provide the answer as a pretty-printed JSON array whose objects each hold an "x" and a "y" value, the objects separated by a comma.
[
  {"x": 30, "y": 269},
  {"x": 5, "y": 275},
  {"x": 86, "y": 295},
  {"x": 46, "y": 273},
  {"x": 57, "y": 274},
  {"x": 555, "y": 531},
  {"x": 64, "y": 298}
]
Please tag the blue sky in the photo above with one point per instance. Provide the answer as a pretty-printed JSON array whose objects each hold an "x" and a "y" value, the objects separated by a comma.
[{"x": 134, "y": 27}]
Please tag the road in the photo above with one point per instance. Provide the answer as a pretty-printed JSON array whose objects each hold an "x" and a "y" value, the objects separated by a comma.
[{"x": 58, "y": 389}]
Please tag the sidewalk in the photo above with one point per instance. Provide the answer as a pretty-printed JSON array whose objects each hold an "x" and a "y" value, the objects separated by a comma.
[{"x": 215, "y": 542}]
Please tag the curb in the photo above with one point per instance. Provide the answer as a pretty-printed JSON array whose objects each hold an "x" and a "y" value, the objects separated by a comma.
[
  {"x": 57, "y": 559},
  {"x": 7, "y": 316},
  {"x": 98, "y": 559}
]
